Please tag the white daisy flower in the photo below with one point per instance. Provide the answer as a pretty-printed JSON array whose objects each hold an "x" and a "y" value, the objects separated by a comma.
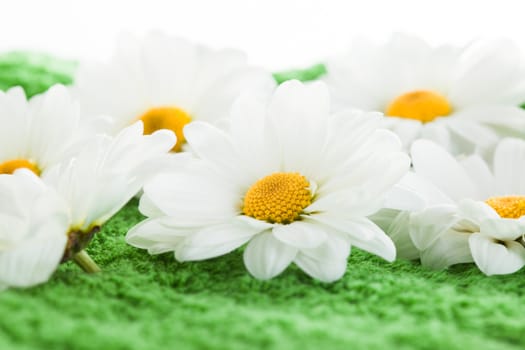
[
  {"x": 292, "y": 181},
  {"x": 105, "y": 175},
  {"x": 38, "y": 133},
  {"x": 474, "y": 212},
  {"x": 166, "y": 82},
  {"x": 33, "y": 226},
  {"x": 51, "y": 219},
  {"x": 465, "y": 99}
]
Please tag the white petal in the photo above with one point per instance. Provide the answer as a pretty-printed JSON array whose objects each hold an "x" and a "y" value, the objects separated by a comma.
[
  {"x": 156, "y": 235},
  {"x": 427, "y": 226},
  {"x": 496, "y": 259},
  {"x": 213, "y": 145},
  {"x": 148, "y": 208},
  {"x": 253, "y": 135},
  {"x": 438, "y": 166},
  {"x": 379, "y": 244},
  {"x": 487, "y": 72},
  {"x": 474, "y": 133},
  {"x": 509, "y": 166},
  {"x": 328, "y": 261},
  {"x": 479, "y": 172},
  {"x": 362, "y": 233},
  {"x": 398, "y": 229},
  {"x": 300, "y": 234},
  {"x": 451, "y": 248},
  {"x": 194, "y": 198},
  {"x": 214, "y": 240},
  {"x": 308, "y": 106},
  {"x": 502, "y": 228},
  {"x": 475, "y": 211},
  {"x": 353, "y": 227},
  {"x": 33, "y": 261},
  {"x": 266, "y": 257},
  {"x": 438, "y": 132},
  {"x": 403, "y": 197}
]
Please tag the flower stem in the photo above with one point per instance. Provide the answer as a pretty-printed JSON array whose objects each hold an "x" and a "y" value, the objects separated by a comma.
[{"x": 85, "y": 262}]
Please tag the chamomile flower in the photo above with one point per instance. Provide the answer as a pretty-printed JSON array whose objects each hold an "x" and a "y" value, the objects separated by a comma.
[
  {"x": 33, "y": 226},
  {"x": 464, "y": 98},
  {"x": 48, "y": 220},
  {"x": 288, "y": 179},
  {"x": 103, "y": 176},
  {"x": 475, "y": 212},
  {"x": 166, "y": 82},
  {"x": 38, "y": 133}
]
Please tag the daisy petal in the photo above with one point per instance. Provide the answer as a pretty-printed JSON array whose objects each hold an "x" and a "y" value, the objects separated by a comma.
[
  {"x": 213, "y": 145},
  {"x": 502, "y": 228},
  {"x": 266, "y": 257},
  {"x": 398, "y": 231},
  {"x": 33, "y": 262},
  {"x": 451, "y": 248},
  {"x": 509, "y": 166},
  {"x": 496, "y": 259},
  {"x": 302, "y": 235},
  {"x": 379, "y": 243},
  {"x": 427, "y": 226},
  {"x": 214, "y": 240},
  {"x": 327, "y": 262},
  {"x": 438, "y": 166},
  {"x": 156, "y": 236}
]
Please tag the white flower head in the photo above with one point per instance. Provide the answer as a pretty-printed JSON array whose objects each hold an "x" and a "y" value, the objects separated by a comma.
[
  {"x": 38, "y": 133},
  {"x": 33, "y": 227},
  {"x": 166, "y": 82},
  {"x": 475, "y": 212},
  {"x": 465, "y": 99},
  {"x": 105, "y": 174},
  {"x": 51, "y": 219},
  {"x": 288, "y": 178}
]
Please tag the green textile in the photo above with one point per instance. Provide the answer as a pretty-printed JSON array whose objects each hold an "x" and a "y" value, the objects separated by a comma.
[
  {"x": 307, "y": 74},
  {"x": 35, "y": 72},
  {"x": 152, "y": 302}
]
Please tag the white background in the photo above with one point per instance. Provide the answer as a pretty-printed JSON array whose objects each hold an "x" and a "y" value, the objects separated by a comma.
[{"x": 276, "y": 34}]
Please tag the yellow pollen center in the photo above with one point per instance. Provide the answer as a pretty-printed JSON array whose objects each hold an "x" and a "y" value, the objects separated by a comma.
[
  {"x": 421, "y": 105},
  {"x": 278, "y": 198},
  {"x": 171, "y": 118},
  {"x": 510, "y": 207},
  {"x": 11, "y": 166}
]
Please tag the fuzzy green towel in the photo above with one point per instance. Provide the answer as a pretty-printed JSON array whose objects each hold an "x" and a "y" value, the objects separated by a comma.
[{"x": 153, "y": 302}]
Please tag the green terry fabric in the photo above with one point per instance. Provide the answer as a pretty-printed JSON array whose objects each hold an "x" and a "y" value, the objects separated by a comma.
[
  {"x": 35, "y": 72},
  {"x": 311, "y": 73},
  {"x": 152, "y": 302}
]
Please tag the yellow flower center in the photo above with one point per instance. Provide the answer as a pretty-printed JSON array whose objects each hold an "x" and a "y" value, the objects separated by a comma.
[
  {"x": 510, "y": 207},
  {"x": 278, "y": 198},
  {"x": 171, "y": 118},
  {"x": 421, "y": 105},
  {"x": 11, "y": 166}
]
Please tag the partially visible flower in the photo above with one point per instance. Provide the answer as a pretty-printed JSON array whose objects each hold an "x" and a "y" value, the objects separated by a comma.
[
  {"x": 292, "y": 181},
  {"x": 41, "y": 132},
  {"x": 475, "y": 213},
  {"x": 166, "y": 82},
  {"x": 464, "y": 98},
  {"x": 33, "y": 226},
  {"x": 52, "y": 219}
]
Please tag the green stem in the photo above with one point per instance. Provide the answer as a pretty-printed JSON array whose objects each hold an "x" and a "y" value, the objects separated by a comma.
[{"x": 85, "y": 262}]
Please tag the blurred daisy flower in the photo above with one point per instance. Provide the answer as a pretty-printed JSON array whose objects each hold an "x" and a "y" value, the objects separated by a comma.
[
  {"x": 166, "y": 82},
  {"x": 41, "y": 132},
  {"x": 465, "y": 99},
  {"x": 288, "y": 179},
  {"x": 51, "y": 219},
  {"x": 474, "y": 212}
]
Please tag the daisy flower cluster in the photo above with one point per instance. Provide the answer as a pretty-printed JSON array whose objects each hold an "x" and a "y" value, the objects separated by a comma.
[{"x": 401, "y": 150}]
